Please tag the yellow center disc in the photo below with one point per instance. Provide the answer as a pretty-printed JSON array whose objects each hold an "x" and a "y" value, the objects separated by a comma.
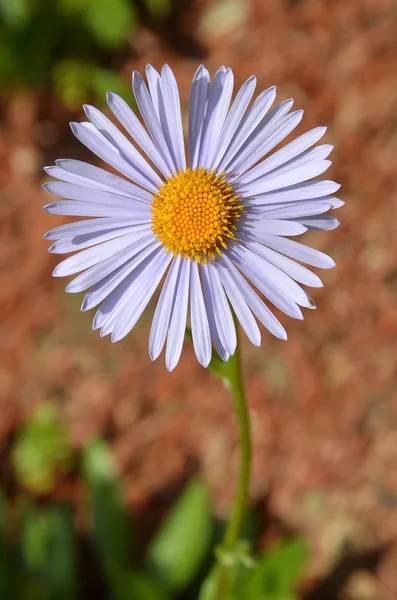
[{"x": 195, "y": 213}]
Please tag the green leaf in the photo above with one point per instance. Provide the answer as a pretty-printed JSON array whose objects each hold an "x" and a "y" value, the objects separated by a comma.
[
  {"x": 71, "y": 82},
  {"x": 178, "y": 550},
  {"x": 279, "y": 571},
  {"x": 111, "y": 22},
  {"x": 112, "y": 527},
  {"x": 158, "y": 8},
  {"x": 14, "y": 12},
  {"x": 49, "y": 552},
  {"x": 72, "y": 7},
  {"x": 41, "y": 450},
  {"x": 35, "y": 532},
  {"x": 61, "y": 560},
  {"x": 137, "y": 585}
]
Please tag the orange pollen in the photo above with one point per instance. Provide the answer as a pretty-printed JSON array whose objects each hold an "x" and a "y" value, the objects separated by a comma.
[{"x": 195, "y": 214}]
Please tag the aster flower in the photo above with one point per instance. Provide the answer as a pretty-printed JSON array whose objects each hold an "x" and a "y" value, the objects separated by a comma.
[{"x": 213, "y": 231}]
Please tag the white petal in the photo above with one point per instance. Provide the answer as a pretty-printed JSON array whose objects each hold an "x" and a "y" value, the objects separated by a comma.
[
  {"x": 72, "y": 191},
  {"x": 162, "y": 314},
  {"x": 87, "y": 258},
  {"x": 300, "y": 191},
  {"x": 275, "y": 131},
  {"x": 73, "y": 208},
  {"x": 82, "y": 228},
  {"x": 153, "y": 79},
  {"x": 234, "y": 117},
  {"x": 104, "y": 150},
  {"x": 145, "y": 175},
  {"x": 218, "y": 103},
  {"x": 76, "y": 171},
  {"x": 285, "y": 154},
  {"x": 294, "y": 210},
  {"x": 176, "y": 331},
  {"x": 259, "y": 308},
  {"x": 304, "y": 160},
  {"x": 79, "y": 242},
  {"x": 298, "y": 251},
  {"x": 236, "y": 298},
  {"x": 140, "y": 294},
  {"x": 222, "y": 313},
  {"x": 149, "y": 115},
  {"x": 141, "y": 288},
  {"x": 198, "y": 102},
  {"x": 260, "y": 134},
  {"x": 209, "y": 302},
  {"x": 274, "y": 227},
  {"x": 248, "y": 125},
  {"x": 288, "y": 266},
  {"x": 199, "y": 321},
  {"x": 321, "y": 223},
  {"x": 171, "y": 119},
  {"x": 111, "y": 264},
  {"x": 104, "y": 281},
  {"x": 134, "y": 127},
  {"x": 279, "y": 278},
  {"x": 275, "y": 180},
  {"x": 333, "y": 202},
  {"x": 265, "y": 279}
]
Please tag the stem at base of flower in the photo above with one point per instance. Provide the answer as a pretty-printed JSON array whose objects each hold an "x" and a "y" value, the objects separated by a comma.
[{"x": 234, "y": 379}]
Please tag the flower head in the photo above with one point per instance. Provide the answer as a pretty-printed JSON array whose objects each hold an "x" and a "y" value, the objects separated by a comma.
[{"x": 213, "y": 230}]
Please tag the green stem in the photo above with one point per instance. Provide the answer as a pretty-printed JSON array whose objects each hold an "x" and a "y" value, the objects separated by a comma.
[{"x": 235, "y": 381}]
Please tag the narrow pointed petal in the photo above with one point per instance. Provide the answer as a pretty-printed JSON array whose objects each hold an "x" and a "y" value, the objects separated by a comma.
[
  {"x": 176, "y": 332},
  {"x": 266, "y": 280},
  {"x": 320, "y": 222},
  {"x": 248, "y": 125},
  {"x": 150, "y": 117},
  {"x": 105, "y": 285},
  {"x": 199, "y": 321},
  {"x": 93, "y": 274},
  {"x": 146, "y": 176},
  {"x": 256, "y": 304},
  {"x": 92, "y": 256},
  {"x": 282, "y": 156},
  {"x": 234, "y": 117},
  {"x": 198, "y": 102},
  {"x": 171, "y": 118},
  {"x": 218, "y": 104},
  {"x": 95, "y": 177},
  {"x": 277, "y": 181},
  {"x": 222, "y": 313},
  {"x": 209, "y": 302},
  {"x": 300, "y": 191},
  {"x": 289, "y": 267},
  {"x": 72, "y": 191},
  {"x": 269, "y": 125},
  {"x": 275, "y": 131},
  {"x": 241, "y": 310},
  {"x": 298, "y": 251},
  {"x": 134, "y": 127},
  {"x": 275, "y": 227},
  {"x": 105, "y": 151},
  {"x": 162, "y": 314}
]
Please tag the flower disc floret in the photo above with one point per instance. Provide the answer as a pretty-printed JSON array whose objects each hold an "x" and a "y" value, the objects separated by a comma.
[{"x": 195, "y": 213}]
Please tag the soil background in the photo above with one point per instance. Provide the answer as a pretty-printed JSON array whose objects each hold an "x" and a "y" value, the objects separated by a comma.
[{"x": 324, "y": 404}]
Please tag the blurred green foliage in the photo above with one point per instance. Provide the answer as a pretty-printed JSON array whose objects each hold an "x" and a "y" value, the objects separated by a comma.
[
  {"x": 68, "y": 45},
  {"x": 43, "y": 545},
  {"x": 41, "y": 450}
]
